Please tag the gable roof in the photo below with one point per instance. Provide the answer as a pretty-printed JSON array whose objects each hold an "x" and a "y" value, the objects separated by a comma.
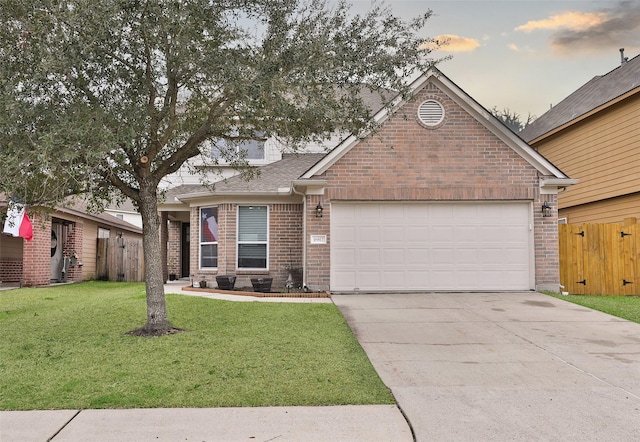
[
  {"x": 272, "y": 179},
  {"x": 79, "y": 208},
  {"x": 598, "y": 91},
  {"x": 486, "y": 118}
]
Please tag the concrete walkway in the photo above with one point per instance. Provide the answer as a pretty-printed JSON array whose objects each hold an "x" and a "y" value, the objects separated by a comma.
[{"x": 502, "y": 366}]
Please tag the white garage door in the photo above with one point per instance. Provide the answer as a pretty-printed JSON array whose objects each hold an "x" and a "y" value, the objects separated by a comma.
[{"x": 449, "y": 246}]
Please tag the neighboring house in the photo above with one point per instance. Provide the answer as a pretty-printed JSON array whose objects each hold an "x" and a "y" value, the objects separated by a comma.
[
  {"x": 63, "y": 247},
  {"x": 443, "y": 197},
  {"x": 126, "y": 211},
  {"x": 593, "y": 135}
]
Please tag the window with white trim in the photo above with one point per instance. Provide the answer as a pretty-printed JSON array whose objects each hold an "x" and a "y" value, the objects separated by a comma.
[
  {"x": 253, "y": 228},
  {"x": 208, "y": 237},
  {"x": 252, "y": 149}
]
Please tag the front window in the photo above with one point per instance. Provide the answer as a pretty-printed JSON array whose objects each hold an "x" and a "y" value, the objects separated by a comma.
[
  {"x": 208, "y": 237},
  {"x": 246, "y": 149},
  {"x": 252, "y": 237}
]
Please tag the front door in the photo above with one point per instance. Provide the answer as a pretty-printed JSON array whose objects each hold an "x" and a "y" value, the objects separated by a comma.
[
  {"x": 56, "y": 252},
  {"x": 185, "y": 239}
]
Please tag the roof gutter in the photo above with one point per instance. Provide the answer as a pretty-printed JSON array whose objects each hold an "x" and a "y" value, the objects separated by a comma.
[{"x": 550, "y": 185}]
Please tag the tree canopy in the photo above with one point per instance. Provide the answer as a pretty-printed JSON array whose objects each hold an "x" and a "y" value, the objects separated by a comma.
[
  {"x": 512, "y": 119},
  {"x": 105, "y": 99}
]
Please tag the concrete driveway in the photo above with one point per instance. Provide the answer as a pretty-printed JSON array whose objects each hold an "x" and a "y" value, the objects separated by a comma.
[{"x": 502, "y": 366}]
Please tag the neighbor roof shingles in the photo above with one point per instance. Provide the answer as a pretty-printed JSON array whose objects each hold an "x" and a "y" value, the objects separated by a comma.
[{"x": 596, "y": 92}]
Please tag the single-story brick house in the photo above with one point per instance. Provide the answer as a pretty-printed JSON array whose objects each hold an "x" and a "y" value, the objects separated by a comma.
[
  {"x": 63, "y": 247},
  {"x": 443, "y": 197}
]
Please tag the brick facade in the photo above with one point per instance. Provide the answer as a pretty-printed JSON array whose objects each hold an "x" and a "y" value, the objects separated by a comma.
[
  {"x": 460, "y": 160},
  {"x": 35, "y": 265},
  {"x": 72, "y": 248},
  {"x": 10, "y": 269},
  {"x": 284, "y": 245},
  {"x": 36, "y": 254}
]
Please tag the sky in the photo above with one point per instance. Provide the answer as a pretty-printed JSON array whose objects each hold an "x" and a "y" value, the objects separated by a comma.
[{"x": 525, "y": 55}]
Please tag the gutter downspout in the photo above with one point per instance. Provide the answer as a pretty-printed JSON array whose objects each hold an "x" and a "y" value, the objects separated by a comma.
[{"x": 304, "y": 235}]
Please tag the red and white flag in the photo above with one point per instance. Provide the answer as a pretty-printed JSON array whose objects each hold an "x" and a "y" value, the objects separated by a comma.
[{"x": 18, "y": 222}]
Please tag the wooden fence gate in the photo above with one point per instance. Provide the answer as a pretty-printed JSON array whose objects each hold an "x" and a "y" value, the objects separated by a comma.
[
  {"x": 600, "y": 259},
  {"x": 119, "y": 259}
]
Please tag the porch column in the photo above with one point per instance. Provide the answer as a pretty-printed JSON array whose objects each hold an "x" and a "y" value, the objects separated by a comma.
[
  {"x": 164, "y": 238},
  {"x": 36, "y": 254}
]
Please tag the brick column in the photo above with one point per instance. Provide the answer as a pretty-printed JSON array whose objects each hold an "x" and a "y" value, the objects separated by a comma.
[
  {"x": 72, "y": 248},
  {"x": 36, "y": 254},
  {"x": 547, "y": 260},
  {"x": 173, "y": 248},
  {"x": 318, "y": 255}
]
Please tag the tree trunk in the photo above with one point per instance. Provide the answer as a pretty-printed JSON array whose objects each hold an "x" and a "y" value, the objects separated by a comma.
[{"x": 157, "y": 318}]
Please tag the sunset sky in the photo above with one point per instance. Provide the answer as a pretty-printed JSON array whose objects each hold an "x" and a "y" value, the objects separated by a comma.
[{"x": 526, "y": 55}]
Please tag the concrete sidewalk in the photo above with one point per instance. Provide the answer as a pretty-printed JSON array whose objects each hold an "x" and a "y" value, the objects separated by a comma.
[{"x": 342, "y": 423}]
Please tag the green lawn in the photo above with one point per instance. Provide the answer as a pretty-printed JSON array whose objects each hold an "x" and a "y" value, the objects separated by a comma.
[
  {"x": 626, "y": 307},
  {"x": 66, "y": 347}
]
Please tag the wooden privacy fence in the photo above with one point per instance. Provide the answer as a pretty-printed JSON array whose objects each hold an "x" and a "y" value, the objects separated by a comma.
[
  {"x": 119, "y": 259},
  {"x": 600, "y": 259}
]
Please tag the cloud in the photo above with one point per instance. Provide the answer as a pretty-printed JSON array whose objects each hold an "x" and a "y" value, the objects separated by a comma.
[
  {"x": 575, "y": 21},
  {"x": 615, "y": 26},
  {"x": 514, "y": 47},
  {"x": 453, "y": 43}
]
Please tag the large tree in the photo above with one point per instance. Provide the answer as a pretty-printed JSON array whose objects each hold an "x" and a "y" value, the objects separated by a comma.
[{"x": 105, "y": 98}]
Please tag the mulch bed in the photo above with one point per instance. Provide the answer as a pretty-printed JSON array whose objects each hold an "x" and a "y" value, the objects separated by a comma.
[{"x": 242, "y": 292}]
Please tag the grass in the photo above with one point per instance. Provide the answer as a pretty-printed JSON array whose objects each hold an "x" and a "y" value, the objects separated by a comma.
[
  {"x": 626, "y": 307},
  {"x": 66, "y": 347}
]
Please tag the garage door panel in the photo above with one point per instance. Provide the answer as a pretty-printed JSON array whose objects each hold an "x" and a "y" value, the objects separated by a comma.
[
  {"x": 441, "y": 234},
  {"x": 441, "y": 257},
  {"x": 369, "y": 257},
  {"x": 416, "y": 257},
  {"x": 368, "y": 234},
  {"x": 341, "y": 234},
  {"x": 416, "y": 234},
  {"x": 431, "y": 246},
  {"x": 344, "y": 258},
  {"x": 392, "y": 234},
  {"x": 393, "y": 257}
]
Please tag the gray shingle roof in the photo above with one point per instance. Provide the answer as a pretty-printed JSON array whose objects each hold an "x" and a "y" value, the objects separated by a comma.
[
  {"x": 596, "y": 92},
  {"x": 271, "y": 177}
]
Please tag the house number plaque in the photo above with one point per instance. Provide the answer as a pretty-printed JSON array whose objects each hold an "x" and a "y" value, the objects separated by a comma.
[{"x": 318, "y": 239}]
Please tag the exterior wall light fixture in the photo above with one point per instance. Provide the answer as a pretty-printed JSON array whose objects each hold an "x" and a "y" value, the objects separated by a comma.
[
  {"x": 319, "y": 210},
  {"x": 546, "y": 209}
]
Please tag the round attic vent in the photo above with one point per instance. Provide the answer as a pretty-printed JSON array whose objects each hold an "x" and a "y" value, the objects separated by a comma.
[{"x": 431, "y": 113}]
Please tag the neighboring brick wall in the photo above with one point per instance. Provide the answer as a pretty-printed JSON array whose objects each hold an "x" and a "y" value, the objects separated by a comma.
[
  {"x": 72, "y": 248},
  {"x": 10, "y": 269},
  {"x": 460, "y": 160},
  {"x": 36, "y": 256}
]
